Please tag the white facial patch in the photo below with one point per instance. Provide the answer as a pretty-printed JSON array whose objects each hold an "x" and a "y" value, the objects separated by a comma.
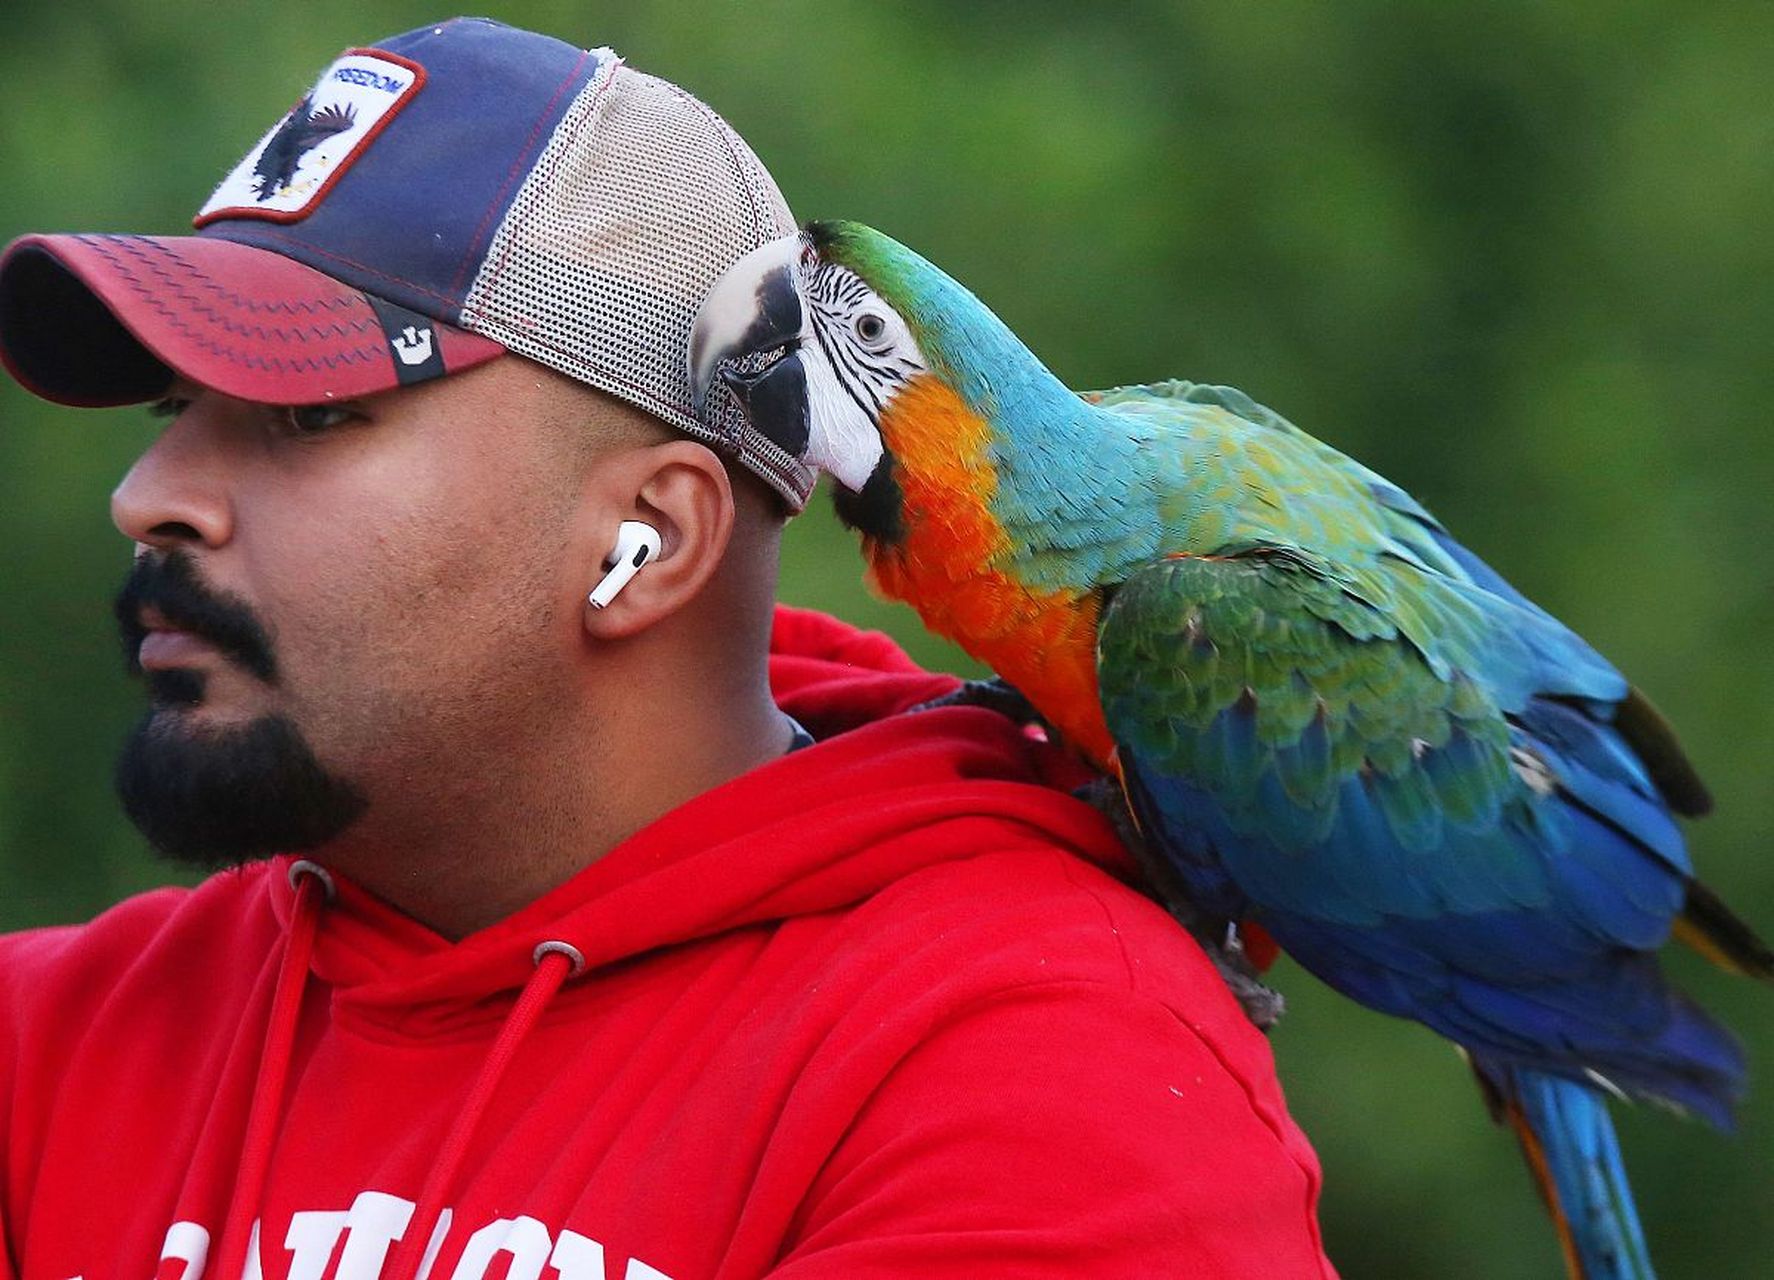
[
  {"x": 866, "y": 354},
  {"x": 844, "y": 442},
  {"x": 294, "y": 165}
]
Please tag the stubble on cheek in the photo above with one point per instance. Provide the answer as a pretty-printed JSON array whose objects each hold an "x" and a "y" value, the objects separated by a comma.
[{"x": 439, "y": 648}]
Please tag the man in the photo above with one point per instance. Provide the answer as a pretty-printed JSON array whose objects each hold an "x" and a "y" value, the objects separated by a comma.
[{"x": 555, "y": 941}]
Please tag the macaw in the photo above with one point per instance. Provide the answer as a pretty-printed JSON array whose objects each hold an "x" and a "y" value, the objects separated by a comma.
[{"x": 1327, "y": 717}]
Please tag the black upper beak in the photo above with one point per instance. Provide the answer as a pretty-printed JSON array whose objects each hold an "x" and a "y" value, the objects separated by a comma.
[{"x": 775, "y": 400}]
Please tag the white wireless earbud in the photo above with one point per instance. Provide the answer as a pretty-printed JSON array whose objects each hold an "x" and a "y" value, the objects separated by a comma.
[{"x": 637, "y": 542}]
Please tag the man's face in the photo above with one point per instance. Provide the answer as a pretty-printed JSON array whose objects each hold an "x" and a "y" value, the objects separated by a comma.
[{"x": 343, "y": 610}]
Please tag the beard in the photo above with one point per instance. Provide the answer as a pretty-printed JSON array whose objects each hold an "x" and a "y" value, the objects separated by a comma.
[
  {"x": 217, "y": 796},
  {"x": 221, "y": 797}
]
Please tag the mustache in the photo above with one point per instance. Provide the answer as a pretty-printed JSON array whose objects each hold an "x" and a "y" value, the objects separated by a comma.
[{"x": 170, "y": 585}]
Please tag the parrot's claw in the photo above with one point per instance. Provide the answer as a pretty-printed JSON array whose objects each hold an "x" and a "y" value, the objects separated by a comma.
[
  {"x": 1262, "y": 1004},
  {"x": 994, "y": 694}
]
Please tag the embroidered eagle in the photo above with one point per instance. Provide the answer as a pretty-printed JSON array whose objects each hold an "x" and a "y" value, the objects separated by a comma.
[{"x": 300, "y": 133}]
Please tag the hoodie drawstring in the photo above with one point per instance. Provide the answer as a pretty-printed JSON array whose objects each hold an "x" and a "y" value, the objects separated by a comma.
[
  {"x": 555, "y": 963},
  {"x": 313, "y": 886}
]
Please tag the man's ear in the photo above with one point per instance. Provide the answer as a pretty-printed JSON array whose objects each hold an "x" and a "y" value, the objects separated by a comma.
[{"x": 680, "y": 488}]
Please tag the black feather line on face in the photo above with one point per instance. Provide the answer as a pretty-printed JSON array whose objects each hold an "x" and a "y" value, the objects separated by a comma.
[
  {"x": 833, "y": 293},
  {"x": 859, "y": 371},
  {"x": 841, "y": 366}
]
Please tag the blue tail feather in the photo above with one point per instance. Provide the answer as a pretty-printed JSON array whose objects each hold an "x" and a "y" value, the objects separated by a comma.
[{"x": 1582, "y": 1174}]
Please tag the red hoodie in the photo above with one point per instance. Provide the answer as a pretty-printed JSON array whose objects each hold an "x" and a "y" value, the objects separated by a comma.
[{"x": 883, "y": 1007}]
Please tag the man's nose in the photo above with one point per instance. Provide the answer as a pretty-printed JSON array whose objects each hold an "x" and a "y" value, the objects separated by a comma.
[{"x": 176, "y": 493}]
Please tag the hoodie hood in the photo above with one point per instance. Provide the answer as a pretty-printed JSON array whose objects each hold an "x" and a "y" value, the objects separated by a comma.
[{"x": 880, "y": 795}]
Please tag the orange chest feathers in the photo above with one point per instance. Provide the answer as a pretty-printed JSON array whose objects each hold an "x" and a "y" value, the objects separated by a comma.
[{"x": 950, "y": 565}]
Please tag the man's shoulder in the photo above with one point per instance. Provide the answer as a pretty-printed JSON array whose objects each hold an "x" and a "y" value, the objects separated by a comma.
[
  {"x": 63, "y": 965},
  {"x": 1025, "y": 1035},
  {"x": 1039, "y": 916},
  {"x": 1044, "y": 906}
]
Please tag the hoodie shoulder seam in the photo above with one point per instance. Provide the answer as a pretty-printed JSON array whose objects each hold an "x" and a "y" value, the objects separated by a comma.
[{"x": 1069, "y": 869}]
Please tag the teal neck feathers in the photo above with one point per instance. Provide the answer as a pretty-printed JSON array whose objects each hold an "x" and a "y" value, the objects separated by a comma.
[{"x": 1065, "y": 469}]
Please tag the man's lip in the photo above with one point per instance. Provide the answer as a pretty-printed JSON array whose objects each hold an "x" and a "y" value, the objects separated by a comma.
[{"x": 166, "y": 647}]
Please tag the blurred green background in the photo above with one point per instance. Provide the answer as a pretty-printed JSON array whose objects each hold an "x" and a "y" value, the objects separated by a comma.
[{"x": 1518, "y": 256}]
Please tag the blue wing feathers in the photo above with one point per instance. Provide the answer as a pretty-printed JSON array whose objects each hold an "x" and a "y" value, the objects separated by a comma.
[
  {"x": 1490, "y": 868},
  {"x": 1599, "y": 771},
  {"x": 1460, "y": 784}
]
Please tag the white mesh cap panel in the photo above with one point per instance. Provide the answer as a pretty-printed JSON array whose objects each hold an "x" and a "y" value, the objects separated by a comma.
[{"x": 640, "y": 201}]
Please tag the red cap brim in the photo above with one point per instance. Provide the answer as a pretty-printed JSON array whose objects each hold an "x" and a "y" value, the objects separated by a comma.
[{"x": 110, "y": 319}]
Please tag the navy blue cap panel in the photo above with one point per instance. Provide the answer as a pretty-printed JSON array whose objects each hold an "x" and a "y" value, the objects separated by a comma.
[{"x": 410, "y": 220}]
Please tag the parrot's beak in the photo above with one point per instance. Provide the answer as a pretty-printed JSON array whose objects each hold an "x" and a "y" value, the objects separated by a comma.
[
  {"x": 756, "y": 333},
  {"x": 753, "y": 313}
]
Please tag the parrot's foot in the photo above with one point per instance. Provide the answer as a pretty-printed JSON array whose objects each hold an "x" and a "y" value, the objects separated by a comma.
[
  {"x": 994, "y": 695},
  {"x": 1263, "y": 1005}
]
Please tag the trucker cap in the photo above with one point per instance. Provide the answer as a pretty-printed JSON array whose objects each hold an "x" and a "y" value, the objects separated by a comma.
[{"x": 432, "y": 202}]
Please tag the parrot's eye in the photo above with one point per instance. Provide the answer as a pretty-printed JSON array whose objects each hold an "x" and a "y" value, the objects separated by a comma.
[{"x": 872, "y": 329}]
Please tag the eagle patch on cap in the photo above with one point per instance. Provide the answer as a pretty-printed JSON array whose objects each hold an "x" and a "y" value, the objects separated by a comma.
[{"x": 297, "y": 162}]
